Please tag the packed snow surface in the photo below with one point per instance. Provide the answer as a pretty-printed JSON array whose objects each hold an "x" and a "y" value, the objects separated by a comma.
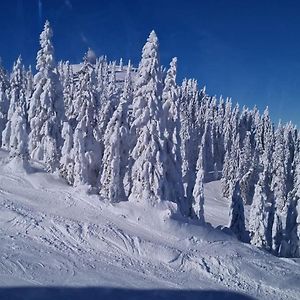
[{"x": 53, "y": 235}]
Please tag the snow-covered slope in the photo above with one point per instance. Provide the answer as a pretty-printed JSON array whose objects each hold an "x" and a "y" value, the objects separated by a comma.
[{"x": 52, "y": 234}]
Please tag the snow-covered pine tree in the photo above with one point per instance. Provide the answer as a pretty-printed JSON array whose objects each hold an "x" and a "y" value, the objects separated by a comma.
[
  {"x": 102, "y": 78},
  {"x": 264, "y": 137},
  {"x": 258, "y": 220},
  {"x": 227, "y": 133},
  {"x": 206, "y": 147},
  {"x": 4, "y": 99},
  {"x": 67, "y": 79},
  {"x": 109, "y": 99},
  {"x": 236, "y": 213},
  {"x": 279, "y": 188},
  {"x": 148, "y": 170},
  {"x": 230, "y": 172},
  {"x": 46, "y": 111},
  {"x": 279, "y": 171},
  {"x": 80, "y": 174},
  {"x": 170, "y": 119},
  {"x": 277, "y": 233},
  {"x": 184, "y": 136},
  {"x": 293, "y": 222},
  {"x": 67, "y": 157},
  {"x": 15, "y": 135},
  {"x": 262, "y": 158},
  {"x": 172, "y": 141},
  {"x": 247, "y": 170},
  {"x": 218, "y": 139},
  {"x": 86, "y": 146},
  {"x": 190, "y": 132},
  {"x": 198, "y": 192},
  {"x": 29, "y": 88},
  {"x": 113, "y": 184}
]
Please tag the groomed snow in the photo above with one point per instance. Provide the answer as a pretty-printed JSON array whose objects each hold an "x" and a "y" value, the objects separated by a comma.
[{"x": 52, "y": 234}]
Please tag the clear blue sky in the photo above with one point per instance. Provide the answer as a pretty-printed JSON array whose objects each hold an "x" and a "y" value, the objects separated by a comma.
[{"x": 246, "y": 49}]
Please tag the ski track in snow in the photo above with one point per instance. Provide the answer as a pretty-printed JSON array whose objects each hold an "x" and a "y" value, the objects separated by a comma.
[{"x": 54, "y": 235}]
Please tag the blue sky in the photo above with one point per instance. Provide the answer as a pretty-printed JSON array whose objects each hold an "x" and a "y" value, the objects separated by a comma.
[{"x": 246, "y": 49}]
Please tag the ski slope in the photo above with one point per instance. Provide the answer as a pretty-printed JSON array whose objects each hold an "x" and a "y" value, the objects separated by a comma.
[{"x": 53, "y": 235}]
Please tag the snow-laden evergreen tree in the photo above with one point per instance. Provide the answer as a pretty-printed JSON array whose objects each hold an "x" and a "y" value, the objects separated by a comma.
[
  {"x": 67, "y": 158},
  {"x": 258, "y": 220},
  {"x": 279, "y": 188},
  {"x": 190, "y": 132},
  {"x": 293, "y": 222},
  {"x": 84, "y": 87},
  {"x": 290, "y": 146},
  {"x": 170, "y": 98},
  {"x": 263, "y": 153},
  {"x": 230, "y": 172},
  {"x": 4, "y": 99},
  {"x": 29, "y": 88},
  {"x": 234, "y": 122},
  {"x": 80, "y": 162},
  {"x": 102, "y": 78},
  {"x": 227, "y": 132},
  {"x": 198, "y": 192},
  {"x": 46, "y": 111},
  {"x": 207, "y": 151},
  {"x": 113, "y": 184},
  {"x": 279, "y": 172},
  {"x": 15, "y": 135},
  {"x": 148, "y": 170},
  {"x": 236, "y": 213},
  {"x": 247, "y": 170},
  {"x": 277, "y": 233},
  {"x": 264, "y": 137},
  {"x": 86, "y": 146},
  {"x": 109, "y": 99},
  {"x": 218, "y": 140},
  {"x": 171, "y": 139},
  {"x": 67, "y": 79}
]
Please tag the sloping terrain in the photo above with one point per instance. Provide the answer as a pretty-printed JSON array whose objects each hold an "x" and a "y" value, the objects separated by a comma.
[{"x": 54, "y": 235}]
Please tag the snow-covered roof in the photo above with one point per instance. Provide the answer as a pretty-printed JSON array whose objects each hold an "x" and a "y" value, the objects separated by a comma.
[{"x": 120, "y": 70}]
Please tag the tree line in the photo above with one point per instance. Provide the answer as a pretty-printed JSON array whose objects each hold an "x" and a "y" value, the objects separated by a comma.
[{"x": 136, "y": 135}]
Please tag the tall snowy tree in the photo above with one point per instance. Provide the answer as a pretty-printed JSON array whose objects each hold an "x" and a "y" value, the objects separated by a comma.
[
  {"x": 279, "y": 178},
  {"x": 171, "y": 136},
  {"x": 86, "y": 146},
  {"x": 207, "y": 151},
  {"x": 148, "y": 169},
  {"x": 258, "y": 220},
  {"x": 4, "y": 99},
  {"x": 29, "y": 88},
  {"x": 230, "y": 172},
  {"x": 247, "y": 169},
  {"x": 67, "y": 158},
  {"x": 46, "y": 111},
  {"x": 190, "y": 132},
  {"x": 279, "y": 188},
  {"x": 67, "y": 79},
  {"x": 116, "y": 148},
  {"x": 293, "y": 224},
  {"x": 15, "y": 135},
  {"x": 236, "y": 213},
  {"x": 198, "y": 192}
]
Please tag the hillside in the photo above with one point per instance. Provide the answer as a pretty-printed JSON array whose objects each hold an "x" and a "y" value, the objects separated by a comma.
[{"x": 55, "y": 235}]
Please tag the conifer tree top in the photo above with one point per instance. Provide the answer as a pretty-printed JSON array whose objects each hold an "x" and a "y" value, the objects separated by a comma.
[{"x": 45, "y": 56}]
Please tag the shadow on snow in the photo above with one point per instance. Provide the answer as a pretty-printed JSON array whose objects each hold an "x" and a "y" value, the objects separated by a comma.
[{"x": 89, "y": 293}]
